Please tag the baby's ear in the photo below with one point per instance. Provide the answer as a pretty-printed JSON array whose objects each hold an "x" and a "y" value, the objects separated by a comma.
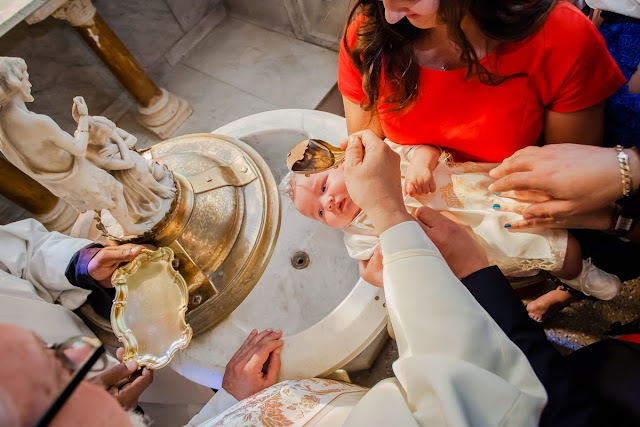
[{"x": 287, "y": 186}]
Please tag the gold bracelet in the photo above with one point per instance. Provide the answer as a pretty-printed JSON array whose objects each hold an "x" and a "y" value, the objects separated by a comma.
[{"x": 625, "y": 170}]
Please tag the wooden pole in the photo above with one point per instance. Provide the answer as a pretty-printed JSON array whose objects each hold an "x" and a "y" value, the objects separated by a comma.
[
  {"x": 24, "y": 191},
  {"x": 106, "y": 44}
]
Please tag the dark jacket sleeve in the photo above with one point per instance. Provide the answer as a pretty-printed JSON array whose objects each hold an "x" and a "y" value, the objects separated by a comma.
[
  {"x": 568, "y": 404},
  {"x": 77, "y": 274}
]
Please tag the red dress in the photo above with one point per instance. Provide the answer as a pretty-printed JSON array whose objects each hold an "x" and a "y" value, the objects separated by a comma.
[{"x": 567, "y": 66}]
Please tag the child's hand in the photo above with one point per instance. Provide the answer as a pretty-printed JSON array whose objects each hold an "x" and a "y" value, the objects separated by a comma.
[
  {"x": 418, "y": 181},
  {"x": 419, "y": 176}
]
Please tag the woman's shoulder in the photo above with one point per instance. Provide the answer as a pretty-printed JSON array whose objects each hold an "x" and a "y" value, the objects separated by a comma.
[
  {"x": 352, "y": 30},
  {"x": 566, "y": 24}
]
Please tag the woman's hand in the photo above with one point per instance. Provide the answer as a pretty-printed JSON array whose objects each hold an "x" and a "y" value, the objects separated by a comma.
[{"x": 580, "y": 182}]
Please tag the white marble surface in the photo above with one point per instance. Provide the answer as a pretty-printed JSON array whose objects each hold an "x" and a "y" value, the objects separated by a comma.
[
  {"x": 276, "y": 68},
  {"x": 12, "y": 12},
  {"x": 327, "y": 314}
]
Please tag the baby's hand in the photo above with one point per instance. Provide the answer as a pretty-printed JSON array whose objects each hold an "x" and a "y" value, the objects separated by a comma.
[
  {"x": 419, "y": 176},
  {"x": 418, "y": 181}
]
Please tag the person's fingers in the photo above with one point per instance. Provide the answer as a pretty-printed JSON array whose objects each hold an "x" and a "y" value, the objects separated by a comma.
[
  {"x": 267, "y": 346},
  {"x": 411, "y": 189},
  {"x": 429, "y": 217},
  {"x": 524, "y": 224},
  {"x": 370, "y": 140},
  {"x": 244, "y": 349},
  {"x": 133, "y": 390},
  {"x": 249, "y": 338},
  {"x": 354, "y": 151},
  {"x": 274, "y": 367},
  {"x": 117, "y": 254},
  {"x": 516, "y": 181},
  {"x": 432, "y": 186},
  {"x": 260, "y": 357},
  {"x": 453, "y": 217},
  {"x": 256, "y": 340},
  {"x": 116, "y": 374},
  {"x": 548, "y": 209},
  {"x": 515, "y": 207},
  {"x": 275, "y": 335},
  {"x": 518, "y": 162},
  {"x": 530, "y": 196},
  {"x": 120, "y": 353}
]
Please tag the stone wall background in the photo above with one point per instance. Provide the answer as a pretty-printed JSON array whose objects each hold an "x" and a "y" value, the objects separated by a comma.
[{"x": 316, "y": 21}]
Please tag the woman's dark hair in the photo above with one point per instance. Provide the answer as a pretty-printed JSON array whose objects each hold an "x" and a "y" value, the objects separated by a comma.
[{"x": 382, "y": 48}]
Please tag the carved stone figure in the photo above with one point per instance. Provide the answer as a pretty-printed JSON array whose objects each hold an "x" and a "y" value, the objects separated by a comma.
[
  {"x": 38, "y": 147},
  {"x": 148, "y": 187}
]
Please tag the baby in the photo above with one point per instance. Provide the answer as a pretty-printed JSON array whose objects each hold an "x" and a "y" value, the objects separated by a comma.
[{"x": 430, "y": 179}]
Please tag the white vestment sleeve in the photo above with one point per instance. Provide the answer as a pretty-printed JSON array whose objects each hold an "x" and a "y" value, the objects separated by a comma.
[
  {"x": 29, "y": 252},
  {"x": 220, "y": 402},
  {"x": 456, "y": 367}
]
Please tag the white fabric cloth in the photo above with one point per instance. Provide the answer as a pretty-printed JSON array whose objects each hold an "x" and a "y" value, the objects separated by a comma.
[
  {"x": 623, "y": 7},
  {"x": 34, "y": 292},
  {"x": 462, "y": 189},
  {"x": 465, "y": 373}
]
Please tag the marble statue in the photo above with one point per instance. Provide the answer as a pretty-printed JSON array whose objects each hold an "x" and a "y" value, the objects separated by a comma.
[
  {"x": 92, "y": 170},
  {"x": 148, "y": 187}
]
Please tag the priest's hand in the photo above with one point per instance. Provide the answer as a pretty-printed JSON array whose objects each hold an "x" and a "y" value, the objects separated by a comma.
[
  {"x": 373, "y": 180},
  {"x": 105, "y": 262},
  {"x": 124, "y": 381},
  {"x": 255, "y": 366},
  {"x": 456, "y": 241}
]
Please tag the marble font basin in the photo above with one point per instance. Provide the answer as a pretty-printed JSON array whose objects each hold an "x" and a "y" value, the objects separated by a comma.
[{"x": 327, "y": 313}]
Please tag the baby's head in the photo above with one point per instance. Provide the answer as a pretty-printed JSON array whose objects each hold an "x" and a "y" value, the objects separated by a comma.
[
  {"x": 100, "y": 129},
  {"x": 323, "y": 197}
]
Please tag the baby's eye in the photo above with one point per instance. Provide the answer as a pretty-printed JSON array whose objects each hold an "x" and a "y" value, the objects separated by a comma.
[
  {"x": 324, "y": 186},
  {"x": 321, "y": 212}
]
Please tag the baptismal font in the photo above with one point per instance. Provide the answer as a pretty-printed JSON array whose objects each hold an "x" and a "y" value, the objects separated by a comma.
[{"x": 210, "y": 198}]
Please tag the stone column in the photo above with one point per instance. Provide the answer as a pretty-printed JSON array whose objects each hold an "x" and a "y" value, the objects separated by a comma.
[
  {"x": 55, "y": 214},
  {"x": 159, "y": 110}
]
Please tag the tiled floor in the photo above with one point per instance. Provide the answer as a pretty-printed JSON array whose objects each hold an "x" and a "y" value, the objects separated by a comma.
[{"x": 240, "y": 69}]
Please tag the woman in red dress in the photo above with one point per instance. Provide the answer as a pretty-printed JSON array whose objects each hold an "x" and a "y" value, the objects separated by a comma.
[{"x": 479, "y": 79}]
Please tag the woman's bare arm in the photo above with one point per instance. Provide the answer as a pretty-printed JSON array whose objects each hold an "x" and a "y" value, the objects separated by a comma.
[
  {"x": 358, "y": 119},
  {"x": 579, "y": 127}
]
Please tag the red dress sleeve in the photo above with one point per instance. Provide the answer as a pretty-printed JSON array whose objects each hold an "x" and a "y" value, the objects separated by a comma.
[
  {"x": 578, "y": 71},
  {"x": 349, "y": 79}
]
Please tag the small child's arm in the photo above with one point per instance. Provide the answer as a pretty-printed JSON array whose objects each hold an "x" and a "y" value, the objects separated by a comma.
[
  {"x": 419, "y": 176},
  {"x": 371, "y": 269}
]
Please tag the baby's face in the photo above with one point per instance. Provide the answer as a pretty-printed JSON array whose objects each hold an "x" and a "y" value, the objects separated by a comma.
[{"x": 324, "y": 197}]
